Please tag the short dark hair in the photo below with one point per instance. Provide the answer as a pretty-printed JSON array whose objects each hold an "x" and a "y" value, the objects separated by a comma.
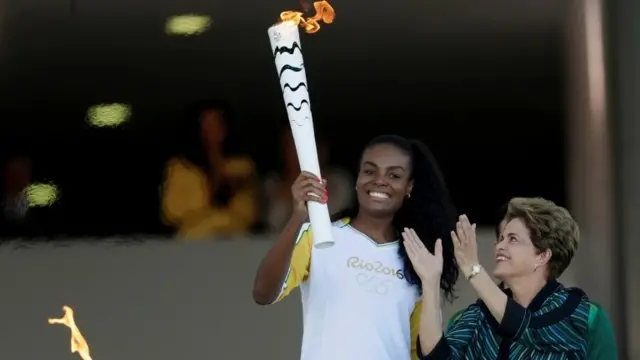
[{"x": 551, "y": 227}]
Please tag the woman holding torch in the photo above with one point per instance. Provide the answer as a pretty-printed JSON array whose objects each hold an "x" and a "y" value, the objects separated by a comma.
[{"x": 361, "y": 296}]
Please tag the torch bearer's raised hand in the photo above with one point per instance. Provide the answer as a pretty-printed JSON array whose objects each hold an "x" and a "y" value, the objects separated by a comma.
[{"x": 308, "y": 187}]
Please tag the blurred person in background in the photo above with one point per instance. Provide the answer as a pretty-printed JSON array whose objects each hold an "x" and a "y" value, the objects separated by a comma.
[
  {"x": 361, "y": 296},
  {"x": 28, "y": 208},
  {"x": 207, "y": 191},
  {"x": 16, "y": 177},
  {"x": 277, "y": 185},
  {"x": 533, "y": 316}
]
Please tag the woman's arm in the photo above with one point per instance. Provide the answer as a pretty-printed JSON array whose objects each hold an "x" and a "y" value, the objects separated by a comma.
[
  {"x": 466, "y": 252},
  {"x": 286, "y": 265},
  {"x": 432, "y": 344},
  {"x": 452, "y": 345},
  {"x": 489, "y": 292},
  {"x": 430, "y": 322}
]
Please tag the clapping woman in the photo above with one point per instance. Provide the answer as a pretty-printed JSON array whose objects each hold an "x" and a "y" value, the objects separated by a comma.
[{"x": 535, "y": 318}]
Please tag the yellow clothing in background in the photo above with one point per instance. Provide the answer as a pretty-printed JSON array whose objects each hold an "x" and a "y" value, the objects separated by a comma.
[{"x": 186, "y": 204}]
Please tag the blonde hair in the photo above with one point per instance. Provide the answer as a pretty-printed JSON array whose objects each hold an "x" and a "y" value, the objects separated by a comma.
[{"x": 551, "y": 227}]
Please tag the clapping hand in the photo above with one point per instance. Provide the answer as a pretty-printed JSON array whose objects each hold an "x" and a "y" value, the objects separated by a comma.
[
  {"x": 428, "y": 266},
  {"x": 465, "y": 245}
]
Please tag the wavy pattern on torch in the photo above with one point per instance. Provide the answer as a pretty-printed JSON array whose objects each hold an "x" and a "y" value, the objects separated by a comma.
[
  {"x": 279, "y": 50},
  {"x": 290, "y": 67},
  {"x": 294, "y": 88},
  {"x": 297, "y": 108},
  {"x": 290, "y": 50}
]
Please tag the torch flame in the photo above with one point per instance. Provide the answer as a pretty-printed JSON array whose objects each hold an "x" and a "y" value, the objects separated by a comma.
[
  {"x": 78, "y": 343},
  {"x": 324, "y": 13}
]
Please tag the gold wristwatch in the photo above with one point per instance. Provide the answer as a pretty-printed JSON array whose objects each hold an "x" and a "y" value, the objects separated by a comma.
[{"x": 475, "y": 270}]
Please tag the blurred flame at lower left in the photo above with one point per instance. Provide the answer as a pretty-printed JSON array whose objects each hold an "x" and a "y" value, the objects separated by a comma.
[{"x": 78, "y": 343}]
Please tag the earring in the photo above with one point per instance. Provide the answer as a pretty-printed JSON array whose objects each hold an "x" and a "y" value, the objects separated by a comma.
[
  {"x": 535, "y": 267},
  {"x": 356, "y": 187},
  {"x": 408, "y": 195}
]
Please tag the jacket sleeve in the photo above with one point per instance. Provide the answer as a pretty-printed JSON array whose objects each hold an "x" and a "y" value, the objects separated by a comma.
[
  {"x": 602, "y": 341},
  {"x": 300, "y": 262},
  {"x": 459, "y": 334}
]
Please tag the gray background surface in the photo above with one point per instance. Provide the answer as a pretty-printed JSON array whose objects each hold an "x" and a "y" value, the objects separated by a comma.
[{"x": 159, "y": 300}]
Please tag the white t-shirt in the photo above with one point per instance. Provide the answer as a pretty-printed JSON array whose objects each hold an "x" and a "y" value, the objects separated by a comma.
[{"x": 356, "y": 301}]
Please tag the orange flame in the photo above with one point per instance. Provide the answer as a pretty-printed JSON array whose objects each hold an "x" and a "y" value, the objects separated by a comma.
[
  {"x": 324, "y": 13},
  {"x": 78, "y": 343}
]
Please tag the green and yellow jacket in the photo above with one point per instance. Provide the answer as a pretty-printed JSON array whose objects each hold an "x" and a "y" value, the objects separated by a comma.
[{"x": 601, "y": 339}]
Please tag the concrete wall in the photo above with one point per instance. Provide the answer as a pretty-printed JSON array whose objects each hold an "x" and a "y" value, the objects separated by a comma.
[{"x": 159, "y": 300}]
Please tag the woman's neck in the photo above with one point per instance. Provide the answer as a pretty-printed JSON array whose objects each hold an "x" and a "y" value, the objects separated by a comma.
[
  {"x": 379, "y": 229},
  {"x": 524, "y": 290}
]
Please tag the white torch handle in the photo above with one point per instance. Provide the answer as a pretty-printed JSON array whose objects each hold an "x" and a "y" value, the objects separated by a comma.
[{"x": 285, "y": 44}]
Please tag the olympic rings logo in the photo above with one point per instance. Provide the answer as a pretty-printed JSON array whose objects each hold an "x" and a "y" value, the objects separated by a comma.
[{"x": 373, "y": 284}]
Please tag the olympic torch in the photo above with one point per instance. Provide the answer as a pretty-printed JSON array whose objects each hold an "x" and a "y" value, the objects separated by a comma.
[{"x": 285, "y": 44}]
